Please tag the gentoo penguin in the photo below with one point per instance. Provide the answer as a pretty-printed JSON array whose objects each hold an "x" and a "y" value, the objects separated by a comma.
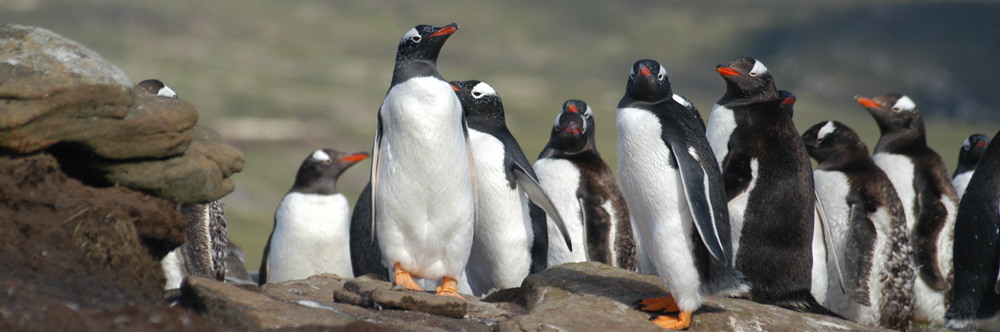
[
  {"x": 769, "y": 187},
  {"x": 676, "y": 196},
  {"x": 929, "y": 200},
  {"x": 311, "y": 226},
  {"x": 585, "y": 192},
  {"x": 423, "y": 184},
  {"x": 976, "y": 304},
  {"x": 968, "y": 157},
  {"x": 508, "y": 243},
  {"x": 868, "y": 225},
  {"x": 787, "y": 101},
  {"x": 205, "y": 249}
]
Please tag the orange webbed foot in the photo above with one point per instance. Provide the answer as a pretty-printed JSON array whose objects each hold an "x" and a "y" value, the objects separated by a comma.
[
  {"x": 682, "y": 321},
  {"x": 659, "y": 304},
  {"x": 404, "y": 279},
  {"x": 449, "y": 287}
]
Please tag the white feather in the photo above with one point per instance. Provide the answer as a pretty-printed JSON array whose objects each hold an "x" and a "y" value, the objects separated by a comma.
[
  {"x": 738, "y": 206},
  {"x": 561, "y": 180},
  {"x": 904, "y": 104},
  {"x": 961, "y": 182},
  {"x": 721, "y": 124},
  {"x": 311, "y": 236}
]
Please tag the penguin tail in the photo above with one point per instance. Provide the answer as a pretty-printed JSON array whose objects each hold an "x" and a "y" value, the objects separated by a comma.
[
  {"x": 803, "y": 301},
  {"x": 724, "y": 280}
]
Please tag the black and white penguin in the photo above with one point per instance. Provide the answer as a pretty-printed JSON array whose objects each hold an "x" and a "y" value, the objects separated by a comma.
[
  {"x": 585, "y": 192},
  {"x": 968, "y": 157},
  {"x": 676, "y": 196},
  {"x": 868, "y": 226},
  {"x": 508, "y": 243},
  {"x": 205, "y": 249},
  {"x": 787, "y": 101},
  {"x": 423, "y": 184},
  {"x": 976, "y": 304},
  {"x": 930, "y": 202},
  {"x": 311, "y": 225},
  {"x": 769, "y": 187}
]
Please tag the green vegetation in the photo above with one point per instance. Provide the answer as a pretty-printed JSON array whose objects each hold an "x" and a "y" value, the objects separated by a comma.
[{"x": 322, "y": 67}]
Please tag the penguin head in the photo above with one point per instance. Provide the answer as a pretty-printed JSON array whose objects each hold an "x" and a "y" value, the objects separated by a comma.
[
  {"x": 972, "y": 150},
  {"x": 480, "y": 102},
  {"x": 573, "y": 130},
  {"x": 424, "y": 42},
  {"x": 648, "y": 82},
  {"x": 319, "y": 172},
  {"x": 747, "y": 77},
  {"x": 787, "y": 101},
  {"x": 893, "y": 112},
  {"x": 830, "y": 141},
  {"x": 154, "y": 86}
]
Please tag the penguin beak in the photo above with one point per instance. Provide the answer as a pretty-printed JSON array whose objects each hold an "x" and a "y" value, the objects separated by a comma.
[
  {"x": 726, "y": 71},
  {"x": 789, "y": 100},
  {"x": 572, "y": 108},
  {"x": 572, "y": 129},
  {"x": 981, "y": 144},
  {"x": 453, "y": 87},
  {"x": 867, "y": 102},
  {"x": 644, "y": 71},
  {"x": 447, "y": 30},
  {"x": 355, "y": 157}
]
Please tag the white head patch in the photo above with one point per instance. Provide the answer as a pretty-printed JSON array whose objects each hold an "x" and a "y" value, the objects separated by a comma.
[
  {"x": 482, "y": 89},
  {"x": 588, "y": 113},
  {"x": 662, "y": 74},
  {"x": 758, "y": 68},
  {"x": 966, "y": 144},
  {"x": 166, "y": 91},
  {"x": 413, "y": 33},
  {"x": 320, "y": 155},
  {"x": 904, "y": 104},
  {"x": 826, "y": 130}
]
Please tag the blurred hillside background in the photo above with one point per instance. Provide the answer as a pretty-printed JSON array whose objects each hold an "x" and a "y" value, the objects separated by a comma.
[{"x": 279, "y": 79}]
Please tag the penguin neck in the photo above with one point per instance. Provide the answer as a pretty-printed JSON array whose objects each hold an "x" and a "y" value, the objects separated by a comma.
[
  {"x": 407, "y": 69},
  {"x": 910, "y": 134},
  {"x": 849, "y": 156},
  {"x": 488, "y": 122},
  {"x": 325, "y": 185}
]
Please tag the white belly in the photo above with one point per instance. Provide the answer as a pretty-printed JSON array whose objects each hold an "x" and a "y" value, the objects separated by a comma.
[
  {"x": 738, "y": 206},
  {"x": 961, "y": 182},
  {"x": 833, "y": 188},
  {"x": 501, "y": 249},
  {"x": 721, "y": 124},
  {"x": 561, "y": 179},
  {"x": 656, "y": 199},
  {"x": 424, "y": 200},
  {"x": 311, "y": 236},
  {"x": 899, "y": 169}
]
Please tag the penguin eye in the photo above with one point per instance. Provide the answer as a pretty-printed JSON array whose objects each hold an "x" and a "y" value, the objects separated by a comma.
[
  {"x": 819, "y": 140},
  {"x": 415, "y": 39},
  {"x": 477, "y": 94},
  {"x": 754, "y": 74},
  {"x": 328, "y": 161},
  {"x": 631, "y": 76},
  {"x": 659, "y": 77},
  {"x": 895, "y": 109}
]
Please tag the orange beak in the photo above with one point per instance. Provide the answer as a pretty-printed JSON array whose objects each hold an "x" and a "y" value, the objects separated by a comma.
[
  {"x": 572, "y": 108},
  {"x": 355, "y": 157},
  {"x": 726, "y": 71},
  {"x": 644, "y": 71},
  {"x": 447, "y": 30},
  {"x": 866, "y": 102}
]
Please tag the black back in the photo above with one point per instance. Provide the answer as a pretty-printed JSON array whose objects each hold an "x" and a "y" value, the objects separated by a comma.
[
  {"x": 775, "y": 251},
  {"x": 366, "y": 255},
  {"x": 972, "y": 150},
  {"x": 573, "y": 139},
  {"x": 976, "y": 247}
]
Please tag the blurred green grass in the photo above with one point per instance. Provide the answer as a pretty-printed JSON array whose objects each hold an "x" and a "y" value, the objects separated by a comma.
[{"x": 281, "y": 79}]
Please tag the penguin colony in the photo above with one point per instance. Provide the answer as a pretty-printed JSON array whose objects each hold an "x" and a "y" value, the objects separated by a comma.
[{"x": 731, "y": 207}]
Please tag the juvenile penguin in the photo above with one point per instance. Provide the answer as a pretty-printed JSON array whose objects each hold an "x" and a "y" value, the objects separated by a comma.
[
  {"x": 676, "y": 196},
  {"x": 976, "y": 304},
  {"x": 508, "y": 243},
  {"x": 968, "y": 157},
  {"x": 769, "y": 187},
  {"x": 868, "y": 226},
  {"x": 204, "y": 252},
  {"x": 311, "y": 225},
  {"x": 585, "y": 192},
  {"x": 929, "y": 200},
  {"x": 423, "y": 184}
]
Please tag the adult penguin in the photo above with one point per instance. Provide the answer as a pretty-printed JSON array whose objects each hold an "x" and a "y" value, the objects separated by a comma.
[
  {"x": 976, "y": 304},
  {"x": 422, "y": 179},
  {"x": 968, "y": 158},
  {"x": 675, "y": 194},
  {"x": 929, "y": 199},
  {"x": 769, "y": 186},
  {"x": 509, "y": 243},
  {"x": 583, "y": 187}
]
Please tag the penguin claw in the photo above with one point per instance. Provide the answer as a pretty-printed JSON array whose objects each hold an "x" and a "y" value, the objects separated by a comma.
[
  {"x": 659, "y": 304},
  {"x": 405, "y": 280},
  {"x": 449, "y": 288},
  {"x": 683, "y": 321}
]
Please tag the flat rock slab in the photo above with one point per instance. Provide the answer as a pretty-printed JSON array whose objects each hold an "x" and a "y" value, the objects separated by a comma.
[{"x": 420, "y": 301}]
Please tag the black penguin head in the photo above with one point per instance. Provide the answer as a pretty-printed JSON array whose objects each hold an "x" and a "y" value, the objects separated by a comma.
[
  {"x": 787, "y": 101},
  {"x": 423, "y": 42},
  {"x": 480, "y": 102},
  {"x": 573, "y": 130},
  {"x": 894, "y": 113},
  {"x": 832, "y": 142},
  {"x": 972, "y": 150},
  {"x": 154, "y": 86},
  {"x": 648, "y": 82},
  {"x": 747, "y": 77},
  {"x": 319, "y": 172}
]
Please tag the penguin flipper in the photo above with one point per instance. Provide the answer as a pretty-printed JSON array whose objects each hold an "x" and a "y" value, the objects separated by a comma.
[
  {"x": 697, "y": 191},
  {"x": 828, "y": 239},
  {"x": 265, "y": 260},
  {"x": 860, "y": 243},
  {"x": 583, "y": 226},
  {"x": 996, "y": 288},
  {"x": 374, "y": 173},
  {"x": 540, "y": 198}
]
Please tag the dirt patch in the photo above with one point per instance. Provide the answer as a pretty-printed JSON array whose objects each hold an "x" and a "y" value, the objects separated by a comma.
[{"x": 75, "y": 257}]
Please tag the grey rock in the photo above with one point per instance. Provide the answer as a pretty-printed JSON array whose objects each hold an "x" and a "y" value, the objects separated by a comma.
[{"x": 420, "y": 301}]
